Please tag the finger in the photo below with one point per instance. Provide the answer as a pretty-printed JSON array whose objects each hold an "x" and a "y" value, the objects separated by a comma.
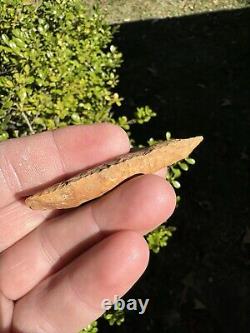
[
  {"x": 139, "y": 204},
  {"x": 17, "y": 220},
  {"x": 6, "y": 312},
  {"x": 162, "y": 172},
  {"x": 72, "y": 298},
  {"x": 30, "y": 162}
]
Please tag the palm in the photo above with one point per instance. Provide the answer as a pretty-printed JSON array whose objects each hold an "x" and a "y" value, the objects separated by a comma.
[{"x": 55, "y": 266}]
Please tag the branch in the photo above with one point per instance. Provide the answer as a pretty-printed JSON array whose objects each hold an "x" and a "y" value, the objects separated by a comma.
[{"x": 27, "y": 122}]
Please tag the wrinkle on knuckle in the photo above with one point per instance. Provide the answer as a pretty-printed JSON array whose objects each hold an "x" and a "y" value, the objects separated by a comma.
[
  {"x": 46, "y": 327},
  {"x": 48, "y": 251},
  {"x": 9, "y": 173},
  {"x": 79, "y": 296},
  {"x": 92, "y": 208},
  {"x": 60, "y": 158}
]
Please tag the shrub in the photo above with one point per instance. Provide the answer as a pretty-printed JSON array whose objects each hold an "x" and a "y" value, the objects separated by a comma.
[{"x": 58, "y": 68}]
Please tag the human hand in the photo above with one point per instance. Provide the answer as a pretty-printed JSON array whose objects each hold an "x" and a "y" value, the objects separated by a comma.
[{"x": 56, "y": 267}]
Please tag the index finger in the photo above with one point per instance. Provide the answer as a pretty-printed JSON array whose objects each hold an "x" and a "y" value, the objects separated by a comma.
[
  {"x": 26, "y": 164},
  {"x": 31, "y": 162}
]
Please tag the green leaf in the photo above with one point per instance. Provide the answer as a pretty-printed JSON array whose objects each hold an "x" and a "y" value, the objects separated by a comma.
[
  {"x": 168, "y": 135},
  {"x": 190, "y": 160},
  {"x": 22, "y": 94},
  {"x": 183, "y": 166},
  {"x": 20, "y": 43},
  {"x": 176, "y": 184},
  {"x": 4, "y": 82},
  {"x": 176, "y": 172},
  {"x": 4, "y": 136},
  {"x": 76, "y": 118},
  {"x": 5, "y": 39}
]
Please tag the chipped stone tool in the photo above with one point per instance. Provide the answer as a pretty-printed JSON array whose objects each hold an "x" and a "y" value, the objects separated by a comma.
[{"x": 94, "y": 182}]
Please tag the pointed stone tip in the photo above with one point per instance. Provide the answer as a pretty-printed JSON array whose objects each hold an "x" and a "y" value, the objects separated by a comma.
[
  {"x": 190, "y": 144},
  {"x": 198, "y": 139},
  {"x": 195, "y": 141}
]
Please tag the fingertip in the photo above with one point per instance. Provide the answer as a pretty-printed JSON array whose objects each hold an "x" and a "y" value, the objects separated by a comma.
[
  {"x": 118, "y": 137},
  {"x": 111, "y": 267},
  {"x": 130, "y": 255},
  {"x": 136, "y": 248},
  {"x": 166, "y": 198},
  {"x": 157, "y": 200},
  {"x": 162, "y": 172}
]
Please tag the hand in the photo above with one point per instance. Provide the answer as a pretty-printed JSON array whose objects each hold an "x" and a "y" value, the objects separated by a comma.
[{"x": 56, "y": 267}]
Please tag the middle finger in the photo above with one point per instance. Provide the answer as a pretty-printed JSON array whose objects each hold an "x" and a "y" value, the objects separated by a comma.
[{"x": 139, "y": 204}]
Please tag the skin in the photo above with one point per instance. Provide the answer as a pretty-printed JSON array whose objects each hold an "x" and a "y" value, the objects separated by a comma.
[{"x": 55, "y": 266}]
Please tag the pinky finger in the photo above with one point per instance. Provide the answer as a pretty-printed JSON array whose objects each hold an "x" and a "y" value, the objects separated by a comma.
[{"x": 72, "y": 298}]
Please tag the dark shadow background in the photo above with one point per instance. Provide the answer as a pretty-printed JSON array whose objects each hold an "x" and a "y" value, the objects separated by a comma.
[{"x": 194, "y": 72}]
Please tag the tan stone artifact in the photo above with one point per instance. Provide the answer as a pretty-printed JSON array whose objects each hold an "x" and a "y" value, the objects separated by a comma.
[{"x": 94, "y": 182}]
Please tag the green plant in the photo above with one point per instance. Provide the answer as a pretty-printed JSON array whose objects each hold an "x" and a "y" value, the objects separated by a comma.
[
  {"x": 175, "y": 171},
  {"x": 92, "y": 328},
  {"x": 58, "y": 67},
  {"x": 159, "y": 237},
  {"x": 115, "y": 317}
]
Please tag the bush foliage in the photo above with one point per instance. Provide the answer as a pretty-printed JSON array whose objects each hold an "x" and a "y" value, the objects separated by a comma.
[{"x": 57, "y": 68}]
